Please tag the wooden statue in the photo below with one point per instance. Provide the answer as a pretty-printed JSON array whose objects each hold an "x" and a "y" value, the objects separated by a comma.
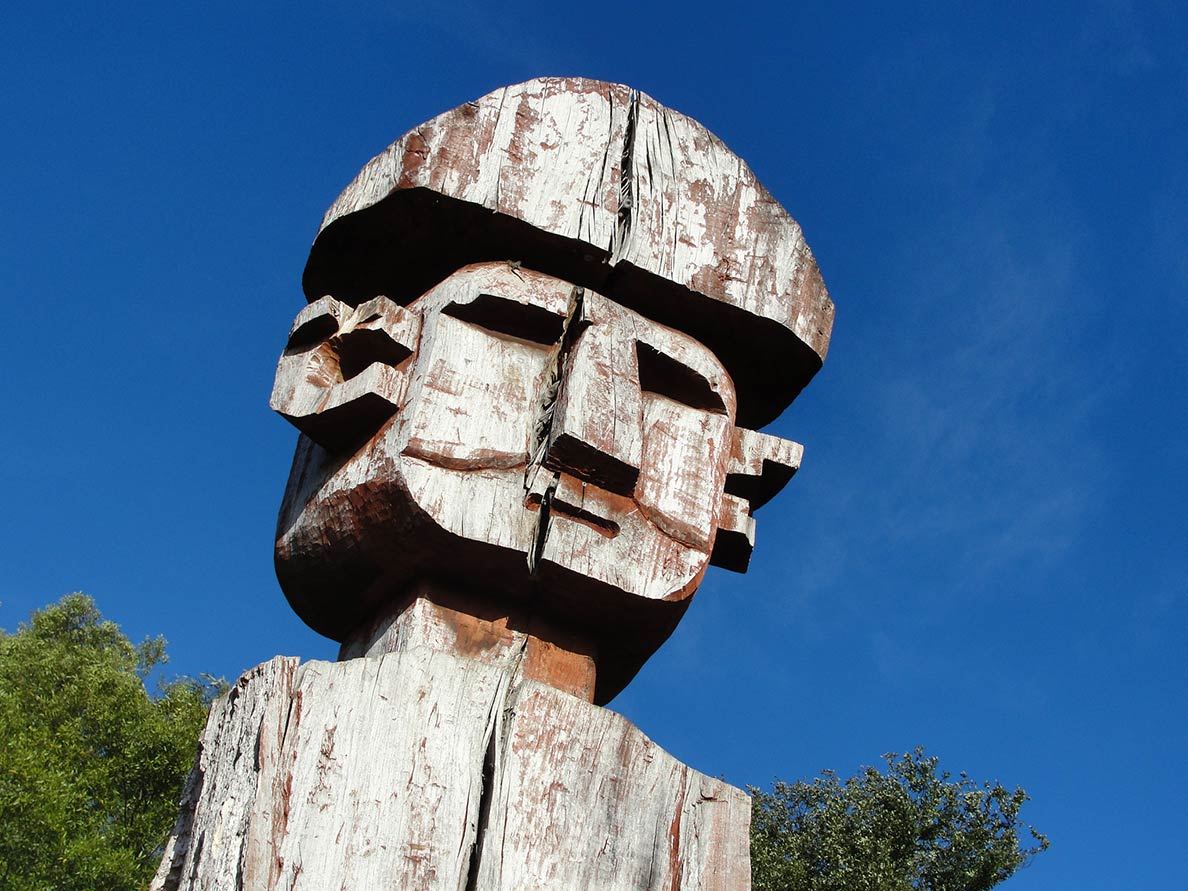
[{"x": 541, "y": 330}]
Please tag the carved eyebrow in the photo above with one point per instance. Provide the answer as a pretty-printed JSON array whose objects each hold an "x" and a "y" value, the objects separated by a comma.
[
  {"x": 512, "y": 318},
  {"x": 661, "y": 374}
]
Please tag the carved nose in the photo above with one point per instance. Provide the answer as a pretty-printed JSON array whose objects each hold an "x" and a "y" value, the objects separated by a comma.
[{"x": 596, "y": 426}]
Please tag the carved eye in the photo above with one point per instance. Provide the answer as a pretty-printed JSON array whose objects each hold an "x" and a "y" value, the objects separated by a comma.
[
  {"x": 665, "y": 376},
  {"x": 351, "y": 339},
  {"x": 341, "y": 375},
  {"x": 314, "y": 324},
  {"x": 524, "y": 321},
  {"x": 359, "y": 349}
]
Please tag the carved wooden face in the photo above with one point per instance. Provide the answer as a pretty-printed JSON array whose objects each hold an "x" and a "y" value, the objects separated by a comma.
[{"x": 509, "y": 431}]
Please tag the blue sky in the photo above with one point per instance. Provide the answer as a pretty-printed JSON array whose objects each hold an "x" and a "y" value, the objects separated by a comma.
[{"x": 985, "y": 550}]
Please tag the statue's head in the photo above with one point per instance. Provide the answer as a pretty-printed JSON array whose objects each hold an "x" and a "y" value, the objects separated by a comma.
[{"x": 542, "y": 329}]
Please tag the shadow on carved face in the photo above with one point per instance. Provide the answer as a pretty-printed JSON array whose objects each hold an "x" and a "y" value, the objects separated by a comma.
[
  {"x": 512, "y": 435},
  {"x": 510, "y": 409},
  {"x": 342, "y": 372}
]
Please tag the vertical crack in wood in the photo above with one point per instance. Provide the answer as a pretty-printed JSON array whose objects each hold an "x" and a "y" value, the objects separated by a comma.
[
  {"x": 279, "y": 825},
  {"x": 497, "y": 723},
  {"x": 486, "y": 793},
  {"x": 575, "y": 323},
  {"x": 626, "y": 183},
  {"x": 541, "y": 531},
  {"x": 676, "y": 864}
]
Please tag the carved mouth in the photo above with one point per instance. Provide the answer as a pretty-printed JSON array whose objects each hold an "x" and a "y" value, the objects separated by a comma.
[{"x": 603, "y": 526}]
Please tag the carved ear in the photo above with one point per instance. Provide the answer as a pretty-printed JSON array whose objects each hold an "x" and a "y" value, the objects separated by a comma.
[
  {"x": 760, "y": 465},
  {"x": 341, "y": 374},
  {"x": 735, "y": 538}
]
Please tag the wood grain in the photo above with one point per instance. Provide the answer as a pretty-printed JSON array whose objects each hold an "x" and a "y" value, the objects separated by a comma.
[
  {"x": 547, "y": 444},
  {"x": 542, "y": 327},
  {"x": 425, "y": 770},
  {"x": 600, "y": 185}
]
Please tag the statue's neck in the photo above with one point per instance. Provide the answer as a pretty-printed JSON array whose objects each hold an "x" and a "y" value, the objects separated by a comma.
[{"x": 436, "y": 617}]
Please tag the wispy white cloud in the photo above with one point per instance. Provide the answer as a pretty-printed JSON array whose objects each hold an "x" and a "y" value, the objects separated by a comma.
[
  {"x": 977, "y": 396},
  {"x": 990, "y": 415}
]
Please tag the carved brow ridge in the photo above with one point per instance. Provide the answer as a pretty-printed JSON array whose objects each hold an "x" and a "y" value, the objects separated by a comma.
[{"x": 658, "y": 372}]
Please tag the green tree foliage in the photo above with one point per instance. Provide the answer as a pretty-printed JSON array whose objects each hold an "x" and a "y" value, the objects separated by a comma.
[
  {"x": 91, "y": 765},
  {"x": 912, "y": 827}
]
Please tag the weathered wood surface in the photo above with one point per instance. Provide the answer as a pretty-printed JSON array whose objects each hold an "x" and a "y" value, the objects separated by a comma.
[
  {"x": 582, "y": 799},
  {"x": 466, "y": 625},
  {"x": 224, "y": 832},
  {"x": 343, "y": 370},
  {"x": 532, "y": 437},
  {"x": 423, "y": 770},
  {"x": 600, "y": 185},
  {"x": 541, "y": 326}
]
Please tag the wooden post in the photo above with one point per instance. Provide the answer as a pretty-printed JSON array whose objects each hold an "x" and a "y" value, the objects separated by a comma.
[{"x": 424, "y": 770}]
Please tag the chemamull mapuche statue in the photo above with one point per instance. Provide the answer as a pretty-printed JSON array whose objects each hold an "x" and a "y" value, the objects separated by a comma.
[{"x": 542, "y": 331}]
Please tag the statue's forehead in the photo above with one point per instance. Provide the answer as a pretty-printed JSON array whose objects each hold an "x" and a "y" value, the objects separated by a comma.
[
  {"x": 506, "y": 298},
  {"x": 511, "y": 288}
]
